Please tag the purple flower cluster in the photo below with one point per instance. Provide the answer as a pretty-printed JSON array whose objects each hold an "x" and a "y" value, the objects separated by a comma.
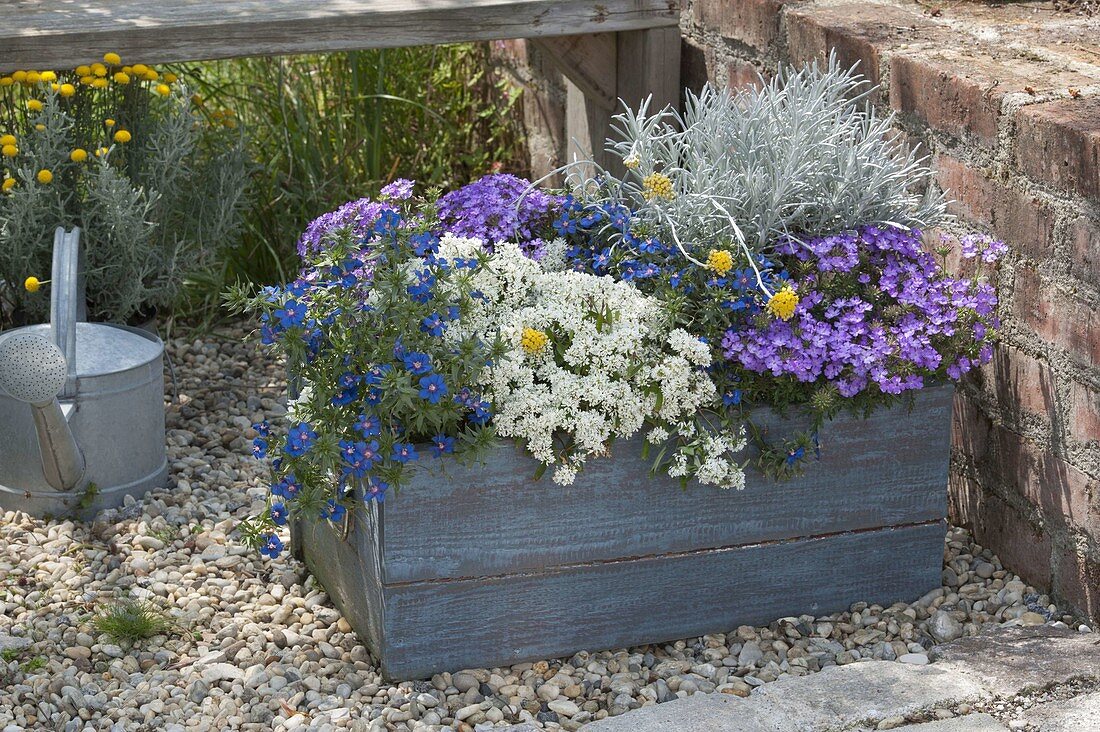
[
  {"x": 361, "y": 215},
  {"x": 498, "y": 207},
  {"x": 876, "y": 309}
]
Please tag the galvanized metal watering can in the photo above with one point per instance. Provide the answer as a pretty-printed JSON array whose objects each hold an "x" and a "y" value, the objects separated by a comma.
[{"x": 81, "y": 405}]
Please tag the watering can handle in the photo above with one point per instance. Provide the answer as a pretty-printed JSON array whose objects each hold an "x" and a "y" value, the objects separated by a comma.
[{"x": 64, "y": 300}]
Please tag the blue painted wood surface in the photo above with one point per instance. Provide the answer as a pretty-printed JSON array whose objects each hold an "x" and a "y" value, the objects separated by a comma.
[{"x": 478, "y": 566}]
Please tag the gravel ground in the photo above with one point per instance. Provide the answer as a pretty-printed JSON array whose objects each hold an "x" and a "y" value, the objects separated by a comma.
[{"x": 258, "y": 646}]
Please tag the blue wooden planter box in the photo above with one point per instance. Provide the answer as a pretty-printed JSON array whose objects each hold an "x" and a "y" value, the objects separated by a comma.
[{"x": 483, "y": 566}]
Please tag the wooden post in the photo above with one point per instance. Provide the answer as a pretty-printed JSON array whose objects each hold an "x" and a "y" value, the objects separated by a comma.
[{"x": 606, "y": 70}]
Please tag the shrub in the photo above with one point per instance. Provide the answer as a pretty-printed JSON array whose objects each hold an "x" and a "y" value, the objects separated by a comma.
[{"x": 155, "y": 185}]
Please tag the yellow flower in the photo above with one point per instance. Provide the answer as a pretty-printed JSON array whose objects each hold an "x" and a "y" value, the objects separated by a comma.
[
  {"x": 33, "y": 77},
  {"x": 7, "y": 139},
  {"x": 87, "y": 80},
  {"x": 109, "y": 122},
  {"x": 720, "y": 260},
  {"x": 150, "y": 75},
  {"x": 7, "y": 185},
  {"x": 45, "y": 177},
  {"x": 99, "y": 83},
  {"x": 40, "y": 127},
  {"x": 99, "y": 69},
  {"x": 140, "y": 69},
  {"x": 6, "y": 81},
  {"x": 122, "y": 136},
  {"x": 197, "y": 100},
  {"x": 657, "y": 185},
  {"x": 782, "y": 303},
  {"x": 55, "y": 86},
  {"x": 32, "y": 284},
  {"x": 112, "y": 58},
  {"x": 164, "y": 90},
  {"x": 631, "y": 161},
  {"x": 171, "y": 78},
  {"x": 533, "y": 340},
  {"x": 19, "y": 76},
  {"x": 34, "y": 105},
  {"x": 101, "y": 152},
  {"x": 78, "y": 155},
  {"x": 127, "y": 69},
  {"x": 66, "y": 90},
  {"x": 9, "y": 151},
  {"x": 83, "y": 70},
  {"x": 49, "y": 76},
  {"x": 122, "y": 78}
]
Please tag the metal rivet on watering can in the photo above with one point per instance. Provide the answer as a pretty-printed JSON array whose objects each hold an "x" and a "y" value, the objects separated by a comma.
[{"x": 81, "y": 405}]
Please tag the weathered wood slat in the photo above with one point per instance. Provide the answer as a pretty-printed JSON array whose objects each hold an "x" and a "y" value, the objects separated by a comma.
[
  {"x": 52, "y": 34},
  {"x": 490, "y": 519},
  {"x": 589, "y": 61},
  {"x": 450, "y": 625}
]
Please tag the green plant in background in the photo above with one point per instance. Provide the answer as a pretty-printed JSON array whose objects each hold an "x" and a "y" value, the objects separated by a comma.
[
  {"x": 329, "y": 128},
  {"x": 119, "y": 151},
  {"x": 132, "y": 620}
]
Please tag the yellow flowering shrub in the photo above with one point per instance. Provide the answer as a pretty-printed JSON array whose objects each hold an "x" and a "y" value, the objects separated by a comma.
[{"x": 162, "y": 191}]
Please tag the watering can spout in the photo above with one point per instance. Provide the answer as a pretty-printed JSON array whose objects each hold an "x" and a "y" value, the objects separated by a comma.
[{"x": 34, "y": 370}]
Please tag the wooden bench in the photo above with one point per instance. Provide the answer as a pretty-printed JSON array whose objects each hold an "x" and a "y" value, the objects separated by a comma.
[{"x": 608, "y": 50}]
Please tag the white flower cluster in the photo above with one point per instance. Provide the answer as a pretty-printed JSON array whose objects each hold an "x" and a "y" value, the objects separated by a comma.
[{"x": 591, "y": 360}]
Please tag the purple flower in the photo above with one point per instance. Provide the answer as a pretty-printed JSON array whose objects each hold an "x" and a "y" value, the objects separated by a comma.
[
  {"x": 360, "y": 215},
  {"x": 399, "y": 190},
  {"x": 499, "y": 207}
]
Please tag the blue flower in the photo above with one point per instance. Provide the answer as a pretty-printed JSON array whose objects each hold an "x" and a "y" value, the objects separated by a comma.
[
  {"x": 731, "y": 397},
  {"x": 347, "y": 396},
  {"x": 299, "y": 439},
  {"x": 376, "y": 373},
  {"x": 291, "y": 314},
  {"x": 333, "y": 511},
  {"x": 368, "y": 425},
  {"x": 375, "y": 490},
  {"x": 793, "y": 456},
  {"x": 432, "y": 325},
  {"x": 482, "y": 413},
  {"x": 374, "y": 396},
  {"x": 262, "y": 428},
  {"x": 423, "y": 243},
  {"x": 404, "y": 452},
  {"x": 359, "y": 457},
  {"x": 418, "y": 363},
  {"x": 278, "y": 513},
  {"x": 442, "y": 445},
  {"x": 272, "y": 546},
  {"x": 453, "y": 312},
  {"x": 259, "y": 448},
  {"x": 347, "y": 380},
  {"x": 601, "y": 260},
  {"x": 287, "y": 488},
  {"x": 432, "y": 388}
]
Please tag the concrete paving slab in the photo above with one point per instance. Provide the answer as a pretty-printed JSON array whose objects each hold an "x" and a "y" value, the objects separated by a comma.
[
  {"x": 1009, "y": 661},
  {"x": 837, "y": 698},
  {"x": 1080, "y": 714},
  {"x": 969, "y": 723}
]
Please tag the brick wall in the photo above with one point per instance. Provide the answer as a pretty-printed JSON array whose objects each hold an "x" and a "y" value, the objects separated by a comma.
[
  {"x": 1006, "y": 100},
  {"x": 987, "y": 92}
]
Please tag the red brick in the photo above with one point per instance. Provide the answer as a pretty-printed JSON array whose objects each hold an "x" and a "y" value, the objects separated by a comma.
[
  {"x": 1060, "y": 491},
  {"x": 1085, "y": 256},
  {"x": 1022, "y": 220},
  {"x": 1064, "y": 320},
  {"x": 753, "y": 22},
  {"x": 1022, "y": 382},
  {"x": 969, "y": 429},
  {"x": 1077, "y": 580},
  {"x": 857, "y": 32},
  {"x": 1059, "y": 143},
  {"x": 1022, "y": 547},
  {"x": 741, "y": 74},
  {"x": 1084, "y": 413}
]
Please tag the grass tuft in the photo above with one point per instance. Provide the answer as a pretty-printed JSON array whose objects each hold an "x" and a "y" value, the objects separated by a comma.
[{"x": 132, "y": 620}]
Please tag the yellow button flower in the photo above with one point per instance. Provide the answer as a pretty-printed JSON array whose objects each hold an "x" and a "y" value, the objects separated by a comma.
[
  {"x": 7, "y": 185},
  {"x": 122, "y": 78},
  {"x": 32, "y": 284},
  {"x": 783, "y": 303},
  {"x": 66, "y": 90},
  {"x": 109, "y": 122},
  {"x": 6, "y": 81},
  {"x": 49, "y": 76},
  {"x": 170, "y": 78},
  {"x": 33, "y": 77},
  {"x": 34, "y": 105},
  {"x": 150, "y": 75},
  {"x": 7, "y": 139},
  {"x": 83, "y": 70},
  {"x": 78, "y": 155},
  {"x": 533, "y": 340},
  {"x": 9, "y": 151},
  {"x": 101, "y": 152},
  {"x": 720, "y": 260},
  {"x": 99, "y": 70},
  {"x": 45, "y": 177},
  {"x": 164, "y": 90},
  {"x": 657, "y": 185},
  {"x": 19, "y": 76},
  {"x": 113, "y": 59},
  {"x": 87, "y": 80},
  {"x": 122, "y": 136},
  {"x": 140, "y": 69},
  {"x": 99, "y": 83}
]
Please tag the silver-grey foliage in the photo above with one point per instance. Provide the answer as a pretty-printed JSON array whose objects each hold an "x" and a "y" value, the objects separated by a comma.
[{"x": 803, "y": 155}]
